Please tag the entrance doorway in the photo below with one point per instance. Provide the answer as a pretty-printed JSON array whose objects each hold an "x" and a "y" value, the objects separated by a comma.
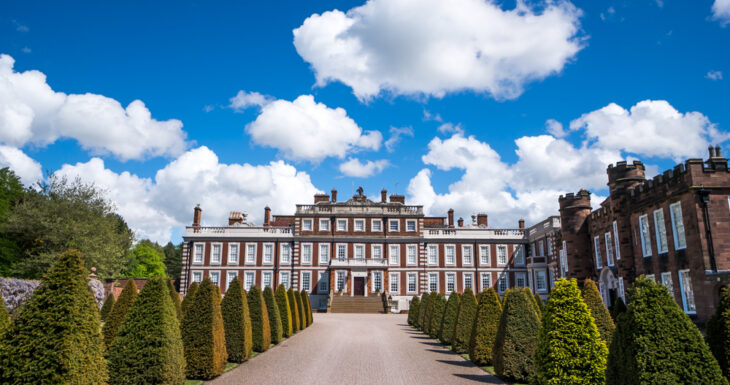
[{"x": 359, "y": 286}]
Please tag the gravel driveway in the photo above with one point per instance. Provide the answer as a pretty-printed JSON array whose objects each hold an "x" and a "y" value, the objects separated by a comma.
[{"x": 357, "y": 349}]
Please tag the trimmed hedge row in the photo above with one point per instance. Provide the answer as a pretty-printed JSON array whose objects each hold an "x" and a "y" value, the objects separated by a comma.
[
  {"x": 260, "y": 325},
  {"x": 237, "y": 323},
  {"x": 294, "y": 310},
  {"x": 282, "y": 299},
  {"x": 413, "y": 310},
  {"x": 464, "y": 322},
  {"x": 272, "y": 309},
  {"x": 484, "y": 331},
  {"x": 448, "y": 325},
  {"x": 203, "y": 334}
]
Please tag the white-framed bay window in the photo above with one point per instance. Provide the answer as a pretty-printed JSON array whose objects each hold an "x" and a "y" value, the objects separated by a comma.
[
  {"x": 520, "y": 279},
  {"x": 394, "y": 225},
  {"x": 308, "y": 224},
  {"x": 412, "y": 254},
  {"x": 285, "y": 253},
  {"x": 324, "y": 253},
  {"x": 198, "y": 253},
  {"x": 412, "y": 283},
  {"x": 394, "y": 255},
  {"x": 675, "y": 210},
  {"x": 268, "y": 257},
  {"x": 484, "y": 255},
  {"x": 519, "y": 252},
  {"x": 467, "y": 255},
  {"x": 688, "y": 296},
  {"x": 341, "y": 225},
  {"x": 376, "y": 225},
  {"x": 411, "y": 225},
  {"x": 233, "y": 253},
  {"x": 359, "y": 225},
  {"x": 394, "y": 283}
]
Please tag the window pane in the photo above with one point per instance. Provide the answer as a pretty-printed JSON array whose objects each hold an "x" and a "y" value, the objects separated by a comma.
[
  {"x": 324, "y": 254},
  {"x": 468, "y": 284},
  {"x": 394, "y": 287},
  {"x": 450, "y": 282},
  {"x": 268, "y": 253},
  {"x": 393, "y": 225},
  {"x": 377, "y": 225},
  {"x": 359, "y": 251},
  {"x": 597, "y": 248},
  {"x": 412, "y": 283},
  {"x": 466, "y": 255},
  {"x": 324, "y": 225},
  {"x": 645, "y": 237},
  {"x": 661, "y": 231},
  {"x": 411, "y": 249},
  {"x": 484, "y": 254},
  {"x": 486, "y": 281},
  {"x": 433, "y": 282},
  {"x": 377, "y": 252},
  {"x": 411, "y": 225},
  {"x": 323, "y": 282},
  {"x": 450, "y": 255},
  {"x": 678, "y": 226},
  {"x": 609, "y": 250},
  {"x": 359, "y": 225},
  {"x": 393, "y": 254},
  {"x": 378, "y": 281},
  {"x": 285, "y": 253},
  {"x": 267, "y": 279},
  {"x": 233, "y": 253},
  {"x": 432, "y": 255}
]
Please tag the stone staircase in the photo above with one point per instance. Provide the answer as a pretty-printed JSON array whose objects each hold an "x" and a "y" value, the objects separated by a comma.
[{"x": 348, "y": 304}]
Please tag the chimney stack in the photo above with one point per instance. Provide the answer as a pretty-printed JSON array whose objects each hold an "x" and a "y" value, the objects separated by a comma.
[
  {"x": 482, "y": 220},
  {"x": 712, "y": 151},
  {"x": 451, "y": 218},
  {"x": 334, "y": 195},
  {"x": 236, "y": 217},
  {"x": 461, "y": 222},
  {"x": 718, "y": 151},
  {"x": 267, "y": 216},
  {"x": 383, "y": 196},
  {"x": 521, "y": 223},
  {"x": 197, "y": 215}
]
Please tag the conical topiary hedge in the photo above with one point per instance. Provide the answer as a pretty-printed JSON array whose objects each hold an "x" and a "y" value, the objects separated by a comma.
[
  {"x": 451, "y": 313},
  {"x": 413, "y": 310},
  {"x": 484, "y": 331},
  {"x": 260, "y": 325},
  {"x": 516, "y": 342},
  {"x": 656, "y": 343},
  {"x": 119, "y": 311},
  {"x": 237, "y": 323},
  {"x": 55, "y": 338},
  {"x": 282, "y": 300},
  {"x": 570, "y": 350},
  {"x": 203, "y": 335},
  {"x": 272, "y": 308},
  {"x": 422, "y": 309},
  {"x": 600, "y": 314},
  {"x": 188, "y": 299},
  {"x": 106, "y": 308},
  {"x": 175, "y": 297},
  {"x": 300, "y": 310},
  {"x": 464, "y": 322},
  {"x": 437, "y": 318},
  {"x": 148, "y": 348},
  {"x": 429, "y": 312},
  {"x": 718, "y": 332},
  {"x": 294, "y": 310},
  {"x": 619, "y": 307},
  {"x": 307, "y": 307},
  {"x": 540, "y": 304}
]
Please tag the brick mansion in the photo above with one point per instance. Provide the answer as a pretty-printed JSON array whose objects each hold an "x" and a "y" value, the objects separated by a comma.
[{"x": 674, "y": 228}]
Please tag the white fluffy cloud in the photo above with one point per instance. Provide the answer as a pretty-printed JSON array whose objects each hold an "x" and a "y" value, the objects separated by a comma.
[
  {"x": 433, "y": 47},
  {"x": 306, "y": 130},
  {"x": 153, "y": 207},
  {"x": 27, "y": 169},
  {"x": 32, "y": 112},
  {"x": 244, "y": 100},
  {"x": 714, "y": 75},
  {"x": 396, "y": 133},
  {"x": 354, "y": 168},
  {"x": 721, "y": 11},
  {"x": 650, "y": 128}
]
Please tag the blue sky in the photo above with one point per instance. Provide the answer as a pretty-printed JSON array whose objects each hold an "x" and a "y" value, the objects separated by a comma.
[{"x": 462, "y": 82}]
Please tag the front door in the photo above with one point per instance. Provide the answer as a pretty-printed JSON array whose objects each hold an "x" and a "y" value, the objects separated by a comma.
[{"x": 359, "y": 285}]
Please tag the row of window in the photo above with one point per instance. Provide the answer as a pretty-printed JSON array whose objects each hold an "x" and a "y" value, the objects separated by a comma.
[
  {"x": 249, "y": 279},
  {"x": 660, "y": 231},
  {"x": 611, "y": 243},
  {"x": 685, "y": 288},
  {"x": 376, "y": 252},
  {"x": 538, "y": 248},
  {"x": 376, "y": 225}
]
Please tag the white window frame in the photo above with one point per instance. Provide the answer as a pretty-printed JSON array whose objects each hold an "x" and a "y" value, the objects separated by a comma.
[
  {"x": 380, "y": 225},
  {"x": 306, "y": 227},
  {"x": 616, "y": 241},
  {"x": 232, "y": 246},
  {"x": 597, "y": 248},
  {"x": 377, "y": 278},
  {"x": 324, "y": 254},
  {"x": 217, "y": 273},
  {"x": 196, "y": 260},
  {"x": 464, "y": 260},
  {"x": 247, "y": 274},
  {"x": 519, "y": 255},
  {"x": 644, "y": 234},
  {"x": 340, "y": 274},
  {"x": 340, "y": 221},
  {"x": 544, "y": 287},
  {"x": 519, "y": 275},
  {"x": 394, "y": 278},
  {"x": 250, "y": 258},
  {"x": 451, "y": 262},
  {"x": 609, "y": 252},
  {"x": 409, "y": 248},
  {"x": 196, "y": 276},
  {"x": 307, "y": 260},
  {"x": 286, "y": 282},
  {"x": 337, "y": 250},
  {"x": 433, "y": 258},
  {"x": 488, "y": 276},
  {"x": 464, "y": 280},
  {"x": 323, "y": 282},
  {"x": 302, "y": 281},
  {"x": 230, "y": 276},
  {"x": 408, "y": 283},
  {"x": 660, "y": 230},
  {"x": 408, "y": 225},
  {"x": 650, "y": 276},
  {"x": 372, "y": 251},
  {"x": 450, "y": 276},
  {"x": 433, "y": 279},
  {"x": 213, "y": 246},
  {"x": 397, "y": 225},
  {"x": 499, "y": 282},
  {"x": 667, "y": 281},
  {"x": 687, "y": 303},
  {"x": 487, "y": 254},
  {"x": 357, "y": 246},
  {"x": 326, "y": 223},
  {"x": 506, "y": 255},
  {"x": 285, "y": 253},
  {"x": 680, "y": 240},
  {"x": 272, "y": 247},
  {"x": 394, "y": 258},
  {"x": 563, "y": 260},
  {"x": 541, "y": 247},
  {"x": 356, "y": 222},
  {"x": 621, "y": 292},
  {"x": 271, "y": 278},
  {"x": 549, "y": 243}
]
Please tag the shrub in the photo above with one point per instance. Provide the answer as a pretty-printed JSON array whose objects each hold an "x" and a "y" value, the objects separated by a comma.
[
  {"x": 260, "y": 325},
  {"x": 656, "y": 343},
  {"x": 307, "y": 307},
  {"x": 148, "y": 348},
  {"x": 237, "y": 323},
  {"x": 484, "y": 331},
  {"x": 422, "y": 310},
  {"x": 540, "y": 304},
  {"x": 272, "y": 308},
  {"x": 464, "y": 322},
  {"x": 55, "y": 338},
  {"x": 107, "y": 307},
  {"x": 294, "y": 310},
  {"x": 4, "y": 317},
  {"x": 600, "y": 314},
  {"x": 619, "y": 307},
  {"x": 282, "y": 299},
  {"x": 570, "y": 350},
  {"x": 718, "y": 332},
  {"x": 203, "y": 334},
  {"x": 188, "y": 299},
  {"x": 514, "y": 347},
  {"x": 438, "y": 315},
  {"x": 300, "y": 310},
  {"x": 119, "y": 311},
  {"x": 429, "y": 312},
  {"x": 413, "y": 310},
  {"x": 451, "y": 313},
  {"x": 175, "y": 297}
]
